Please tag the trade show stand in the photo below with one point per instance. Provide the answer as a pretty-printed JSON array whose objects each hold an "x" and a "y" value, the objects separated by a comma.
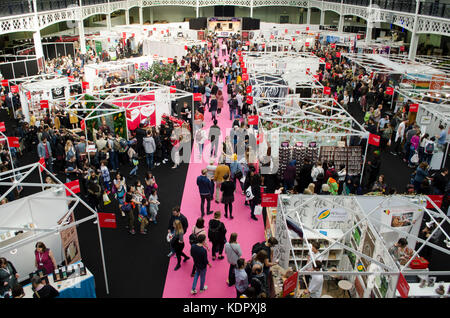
[
  {"x": 416, "y": 291},
  {"x": 75, "y": 287}
]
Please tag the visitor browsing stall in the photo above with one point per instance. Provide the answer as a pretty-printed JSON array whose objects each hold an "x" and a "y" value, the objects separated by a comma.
[
  {"x": 356, "y": 239},
  {"x": 47, "y": 214}
]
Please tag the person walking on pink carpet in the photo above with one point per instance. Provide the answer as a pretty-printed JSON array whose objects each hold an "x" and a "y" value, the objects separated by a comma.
[
  {"x": 200, "y": 257},
  {"x": 216, "y": 234}
]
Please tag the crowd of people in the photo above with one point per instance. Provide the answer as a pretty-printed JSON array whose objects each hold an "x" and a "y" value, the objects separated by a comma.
[{"x": 210, "y": 71}]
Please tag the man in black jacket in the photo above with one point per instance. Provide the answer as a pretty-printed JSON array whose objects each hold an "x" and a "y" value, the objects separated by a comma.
[
  {"x": 200, "y": 257},
  {"x": 176, "y": 215},
  {"x": 42, "y": 290},
  {"x": 140, "y": 134}
]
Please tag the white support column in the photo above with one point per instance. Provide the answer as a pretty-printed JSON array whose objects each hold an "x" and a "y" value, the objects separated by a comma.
[
  {"x": 141, "y": 15},
  {"x": 151, "y": 15},
  {"x": 415, "y": 36},
  {"x": 37, "y": 34},
  {"x": 369, "y": 32},
  {"x": 197, "y": 10},
  {"x": 341, "y": 23},
  {"x": 82, "y": 37},
  {"x": 251, "y": 8},
  {"x": 308, "y": 16},
  {"x": 108, "y": 21},
  {"x": 127, "y": 16},
  {"x": 322, "y": 17}
]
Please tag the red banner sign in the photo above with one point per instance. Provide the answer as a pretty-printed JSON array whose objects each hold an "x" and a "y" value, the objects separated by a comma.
[
  {"x": 249, "y": 89},
  {"x": 413, "y": 108},
  {"x": 322, "y": 59},
  {"x": 402, "y": 48},
  {"x": 402, "y": 286},
  {"x": 269, "y": 200},
  {"x": 42, "y": 162},
  {"x": 13, "y": 142},
  {"x": 2, "y": 126},
  {"x": 241, "y": 58},
  {"x": 14, "y": 89},
  {"x": 107, "y": 220},
  {"x": 338, "y": 54},
  {"x": 85, "y": 85},
  {"x": 173, "y": 89},
  {"x": 249, "y": 100},
  {"x": 74, "y": 186},
  {"x": 272, "y": 37},
  {"x": 253, "y": 120},
  {"x": 307, "y": 44},
  {"x": 4, "y": 82},
  {"x": 197, "y": 97},
  {"x": 44, "y": 103},
  {"x": 298, "y": 32},
  {"x": 437, "y": 199},
  {"x": 170, "y": 60},
  {"x": 290, "y": 284},
  {"x": 307, "y": 28},
  {"x": 326, "y": 90},
  {"x": 285, "y": 30},
  {"x": 390, "y": 90},
  {"x": 82, "y": 124},
  {"x": 244, "y": 70},
  {"x": 333, "y": 45},
  {"x": 239, "y": 53},
  {"x": 245, "y": 77},
  {"x": 316, "y": 77},
  {"x": 374, "y": 140},
  {"x": 259, "y": 138},
  {"x": 328, "y": 66}
]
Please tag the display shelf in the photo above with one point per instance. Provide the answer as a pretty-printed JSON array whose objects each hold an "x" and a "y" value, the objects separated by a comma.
[{"x": 351, "y": 157}]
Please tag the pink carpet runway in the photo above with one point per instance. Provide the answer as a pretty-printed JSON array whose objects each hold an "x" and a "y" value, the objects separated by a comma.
[{"x": 179, "y": 283}]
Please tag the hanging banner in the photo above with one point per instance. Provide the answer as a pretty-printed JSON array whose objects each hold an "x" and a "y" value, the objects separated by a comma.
[
  {"x": 269, "y": 200},
  {"x": 244, "y": 70},
  {"x": 307, "y": 28},
  {"x": 249, "y": 100},
  {"x": 2, "y": 126},
  {"x": 253, "y": 120},
  {"x": 334, "y": 215},
  {"x": 308, "y": 70},
  {"x": 241, "y": 58},
  {"x": 285, "y": 30},
  {"x": 14, "y": 89},
  {"x": 307, "y": 44},
  {"x": 173, "y": 89},
  {"x": 74, "y": 186},
  {"x": 413, "y": 108},
  {"x": 42, "y": 162},
  {"x": 69, "y": 241},
  {"x": 107, "y": 220},
  {"x": 297, "y": 32},
  {"x": 242, "y": 64},
  {"x": 338, "y": 54},
  {"x": 247, "y": 43},
  {"x": 390, "y": 91},
  {"x": 316, "y": 77},
  {"x": 290, "y": 284},
  {"x": 13, "y": 142},
  {"x": 82, "y": 125},
  {"x": 5, "y": 83},
  {"x": 333, "y": 45},
  {"x": 239, "y": 53},
  {"x": 249, "y": 89},
  {"x": 402, "y": 286},
  {"x": 170, "y": 60},
  {"x": 326, "y": 90},
  {"x": 245, "y": 77},
  {"x": 272, "y": 37},
  {"x": 328, "y": 66},
  {"x": 44, "y": 103},
  {"x": 259, "y": 138},
  {"x": 374, "y": 140},
  {"x": 28, "y": 95},
  {"x": 322, "y": 59},
  {"x": 402, "y": 48},
  {"x": 85, "y": 85}
]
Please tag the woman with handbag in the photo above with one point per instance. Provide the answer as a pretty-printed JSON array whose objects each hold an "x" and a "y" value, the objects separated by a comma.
[
  {"x": 150, "y": 184},
  {"x": 413, "y": 150},
  {"x": 253, "y": 191},
  {"x": 198, "y": 229},
  {"x": 177, "y": 243},
  {"x": 233, "y": 252}
]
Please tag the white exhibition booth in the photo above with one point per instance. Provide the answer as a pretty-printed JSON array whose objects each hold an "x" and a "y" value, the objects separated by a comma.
[
  {"x": 357, "y": 235},
  {"x": 48, "y": 215},
  {"x": 34, "y": 89}
]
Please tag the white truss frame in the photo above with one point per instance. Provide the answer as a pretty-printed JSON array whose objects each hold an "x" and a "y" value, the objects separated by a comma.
[{"x": 25, "y": 171}]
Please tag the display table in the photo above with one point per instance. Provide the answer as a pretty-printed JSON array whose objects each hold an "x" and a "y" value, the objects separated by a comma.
[
  {"x": 77, "y": 287},
  {"x": 416, "y": 291}
]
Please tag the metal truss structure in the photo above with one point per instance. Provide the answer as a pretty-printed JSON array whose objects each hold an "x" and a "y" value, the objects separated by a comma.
[
  {"x": 21, "y": 175},
  {"x": 296, "y": 208}
]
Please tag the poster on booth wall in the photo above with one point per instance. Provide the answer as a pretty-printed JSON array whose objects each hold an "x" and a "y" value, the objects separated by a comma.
[
  {"x": 69, "y": 241},
  {"x": 407, "y": 219}
]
